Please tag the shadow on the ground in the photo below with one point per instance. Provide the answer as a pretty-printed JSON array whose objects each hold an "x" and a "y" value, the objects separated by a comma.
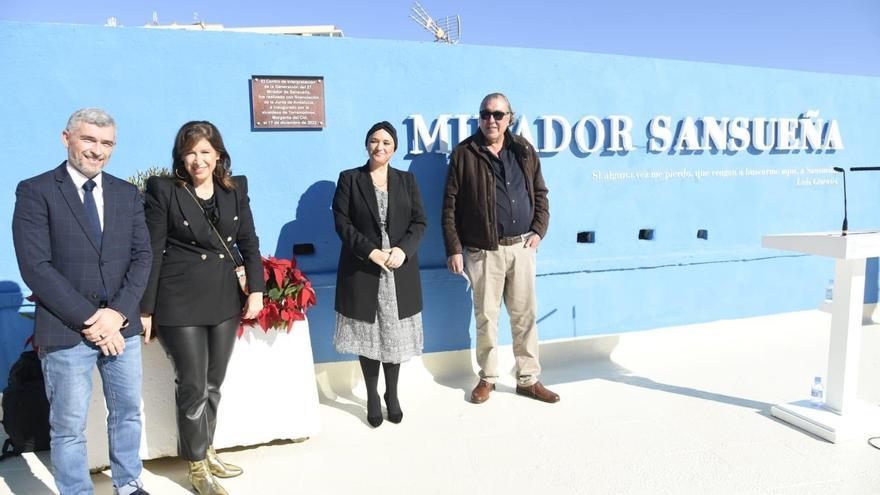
[
  {"x": 452, "y": 370},
  {"x": 456, "y": 369},
  {"x": 173, "y": 469},
  {"x": 563, "y": 361},
  {"x": 589, "y": 359},
  {"x": 336, "y": 383},
  {"x": 18, "y": 475}
]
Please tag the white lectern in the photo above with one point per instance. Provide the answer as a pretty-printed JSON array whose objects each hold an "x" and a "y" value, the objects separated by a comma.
[{"x": 843, "y": 416}]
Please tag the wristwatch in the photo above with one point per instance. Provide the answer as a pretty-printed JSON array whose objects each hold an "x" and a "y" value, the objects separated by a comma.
[{"x": 124, "y": 319}]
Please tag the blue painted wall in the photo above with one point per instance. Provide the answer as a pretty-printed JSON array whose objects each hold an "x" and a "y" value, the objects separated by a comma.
[{"x": 153, "y": 81}]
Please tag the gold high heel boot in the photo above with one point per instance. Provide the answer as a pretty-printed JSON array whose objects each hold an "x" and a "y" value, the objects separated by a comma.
[
  {"x": 202, "y": 480},
  {"x": 220, "y": 468}
]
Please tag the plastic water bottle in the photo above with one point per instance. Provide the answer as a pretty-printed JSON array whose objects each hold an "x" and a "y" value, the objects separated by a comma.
[
  {"x": 829, "y": 291},
  {"x": 817, "y": 393}
]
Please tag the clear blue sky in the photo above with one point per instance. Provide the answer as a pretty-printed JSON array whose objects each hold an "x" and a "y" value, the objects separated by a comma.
[{"x": 838, "y": 36}]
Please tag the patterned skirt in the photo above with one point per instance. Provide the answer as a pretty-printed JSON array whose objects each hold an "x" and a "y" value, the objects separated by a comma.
[{"x": 389, "y": 339}]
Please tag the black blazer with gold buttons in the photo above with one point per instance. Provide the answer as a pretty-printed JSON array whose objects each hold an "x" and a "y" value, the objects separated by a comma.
[
  {"x": 356, "y": 215},
  {"x": 192, "y": 281}
]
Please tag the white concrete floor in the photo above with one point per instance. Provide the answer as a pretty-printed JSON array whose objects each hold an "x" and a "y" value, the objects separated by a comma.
[{"x": 681, "y": 410}]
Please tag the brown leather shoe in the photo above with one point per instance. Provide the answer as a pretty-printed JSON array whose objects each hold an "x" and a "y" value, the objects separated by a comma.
[
  {"x": 481, "y": 392},
  {"x": 538, "y": 391}
]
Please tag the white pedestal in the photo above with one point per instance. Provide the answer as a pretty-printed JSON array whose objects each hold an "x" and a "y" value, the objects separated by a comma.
[
  {"x": 843, "y": 416},
  {"x": 861, "y": 420},
  {"x": 269, "y": 394},
  {"x": 270, "y": 391}
]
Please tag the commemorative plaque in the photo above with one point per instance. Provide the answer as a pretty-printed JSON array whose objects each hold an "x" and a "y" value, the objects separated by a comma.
[{"x": 287, "y": 102}]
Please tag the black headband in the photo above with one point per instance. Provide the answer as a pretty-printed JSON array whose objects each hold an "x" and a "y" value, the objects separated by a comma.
[{"x": 384, "y": 125}]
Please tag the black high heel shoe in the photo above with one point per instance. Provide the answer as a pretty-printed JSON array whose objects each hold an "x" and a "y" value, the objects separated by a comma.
[
  {"x": 395, "y": 415},
  {"x": 374, "y": 412}
]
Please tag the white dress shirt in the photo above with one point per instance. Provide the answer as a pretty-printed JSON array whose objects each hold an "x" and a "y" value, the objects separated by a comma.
[{"x": 98, "y": 192}]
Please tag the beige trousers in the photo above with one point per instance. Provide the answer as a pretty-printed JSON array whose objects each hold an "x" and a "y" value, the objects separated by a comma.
[{"x": 508, "y": 272}]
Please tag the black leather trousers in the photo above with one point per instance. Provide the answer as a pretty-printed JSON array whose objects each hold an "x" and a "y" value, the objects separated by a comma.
[{"x": 200, "y": 355}]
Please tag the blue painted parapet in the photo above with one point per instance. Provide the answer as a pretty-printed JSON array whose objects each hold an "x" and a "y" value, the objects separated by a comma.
[{"x": 707, "y": 157}]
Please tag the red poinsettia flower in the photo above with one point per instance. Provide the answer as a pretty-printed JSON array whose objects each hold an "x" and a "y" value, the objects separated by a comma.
[
  {"x": 288, "y": 295},
  {"x": 306, "y": 296}
]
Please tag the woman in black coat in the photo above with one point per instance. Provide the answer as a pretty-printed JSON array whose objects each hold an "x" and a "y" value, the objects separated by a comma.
[
  {"x": 201, "y": 228},
  {"x": 379, "y": 217}
]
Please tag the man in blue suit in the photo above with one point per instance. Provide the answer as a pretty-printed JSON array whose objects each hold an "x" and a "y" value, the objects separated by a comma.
[{"x": 84, "y": 250}]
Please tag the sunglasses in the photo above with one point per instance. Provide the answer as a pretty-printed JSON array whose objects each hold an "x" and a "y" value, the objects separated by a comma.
[{"x": 497, "y": 114}]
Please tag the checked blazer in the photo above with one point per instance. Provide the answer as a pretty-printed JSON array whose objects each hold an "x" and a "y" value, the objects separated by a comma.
[{"x": 60, "y": 259}]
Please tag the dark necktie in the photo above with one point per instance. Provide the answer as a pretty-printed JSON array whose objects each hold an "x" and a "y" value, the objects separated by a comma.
[{"x": 92, "y": 209}]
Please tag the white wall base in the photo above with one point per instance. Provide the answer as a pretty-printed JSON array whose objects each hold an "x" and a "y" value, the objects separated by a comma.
[{"x": 343, "y": 381}]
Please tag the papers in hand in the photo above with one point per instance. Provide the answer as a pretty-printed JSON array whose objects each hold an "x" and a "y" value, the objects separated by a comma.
[{"x": 467, "y": 281}]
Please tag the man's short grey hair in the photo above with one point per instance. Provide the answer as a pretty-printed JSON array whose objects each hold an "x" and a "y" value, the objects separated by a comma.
[
  {"x": 94, "y": 116},
  {"x": 492, "y": 96}
]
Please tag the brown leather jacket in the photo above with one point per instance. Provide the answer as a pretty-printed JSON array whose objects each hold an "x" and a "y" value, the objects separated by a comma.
[{"x": 469, "y": 198}]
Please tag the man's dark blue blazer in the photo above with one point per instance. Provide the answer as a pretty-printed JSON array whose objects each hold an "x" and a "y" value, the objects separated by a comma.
[{"x": 60, "y": 259}]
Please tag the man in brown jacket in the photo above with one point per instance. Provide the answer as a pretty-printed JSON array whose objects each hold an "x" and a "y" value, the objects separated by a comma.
[{"x": 495, "y": 213}]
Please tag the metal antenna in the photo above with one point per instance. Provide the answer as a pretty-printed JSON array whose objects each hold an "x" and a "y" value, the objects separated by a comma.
[
  {"x": 197, "y": 19},
  {"x": 451, "y": 25},
  {"x": 448, "y": 30}
]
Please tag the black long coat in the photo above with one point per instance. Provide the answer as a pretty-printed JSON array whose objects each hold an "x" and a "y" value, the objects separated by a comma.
[
  {"x": 192, "y": 281},
  {"x": 356, "y": 215}
]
